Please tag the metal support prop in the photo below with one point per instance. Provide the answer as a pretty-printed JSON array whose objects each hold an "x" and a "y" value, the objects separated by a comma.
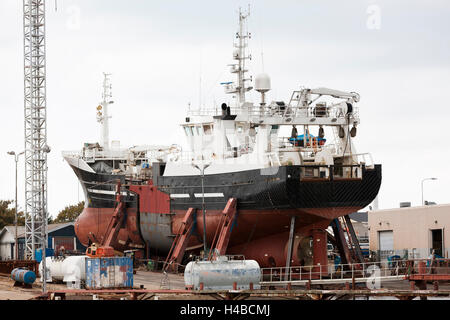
[
  {"x": 341, "y": 242},
  {"x": 115, "y": 223},
  {"x": 180, "y": 242},
  {"x": 290, "y": 245},
  {"x": 354, "y": 239},
  {"x": 44, "y": 251},
  {"x": 222, "y": 235}
]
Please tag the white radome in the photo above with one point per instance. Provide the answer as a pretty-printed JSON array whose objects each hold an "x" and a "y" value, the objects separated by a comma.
[{"x": 262, "y": 82}]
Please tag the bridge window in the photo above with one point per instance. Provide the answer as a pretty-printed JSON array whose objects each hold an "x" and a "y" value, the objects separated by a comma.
[
  {"x": 207, "y": 129},
  {"x": 186, "y": 130}
]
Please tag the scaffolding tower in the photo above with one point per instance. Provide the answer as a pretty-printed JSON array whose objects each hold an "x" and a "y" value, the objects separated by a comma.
[{"x": 36, "y": 148}]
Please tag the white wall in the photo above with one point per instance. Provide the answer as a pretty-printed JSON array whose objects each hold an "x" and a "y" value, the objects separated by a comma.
[
  {"x": 5, "y": 251},
  {"x": 411, "y": 227},
  {"x": 5, "y": 246}
]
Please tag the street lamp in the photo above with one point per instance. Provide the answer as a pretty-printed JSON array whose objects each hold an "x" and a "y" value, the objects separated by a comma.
[
  {"x": 46, "y": 149},
  {"x": 202, "y": 171},
  {"x": 16, "y": 159},
  {"x": 422, "y": 186}
]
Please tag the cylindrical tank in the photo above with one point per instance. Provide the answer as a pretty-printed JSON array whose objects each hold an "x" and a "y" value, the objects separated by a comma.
[
  {"x": 222, "y": 273},
  {"x": 66, "y": 269},
  {"x": 23, "y": 276}
]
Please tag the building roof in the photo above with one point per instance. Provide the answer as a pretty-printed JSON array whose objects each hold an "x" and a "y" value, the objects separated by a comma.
[
  {"x": 359, "y": 216},
  {"x": 12, "y": 230},
  {"x": 51, "y": 228},
  {"x": 428, "y": 208}
]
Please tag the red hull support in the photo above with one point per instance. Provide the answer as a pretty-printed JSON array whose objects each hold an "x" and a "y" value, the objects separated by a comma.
[
  {"x": 223, "y": 232},
  {"x": 116, "y": 220},
  {"x": 181, "y": 240}
]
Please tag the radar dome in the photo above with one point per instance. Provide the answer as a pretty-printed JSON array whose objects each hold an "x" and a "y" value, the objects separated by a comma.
[{"x": 262, "y": 82}]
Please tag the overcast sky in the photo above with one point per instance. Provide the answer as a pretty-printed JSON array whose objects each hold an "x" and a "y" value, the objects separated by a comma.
[{"x": 166, "y": 54}]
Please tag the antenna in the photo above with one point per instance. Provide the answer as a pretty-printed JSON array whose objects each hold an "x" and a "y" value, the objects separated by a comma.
[
  {"x": 200, "y": 82},
  {"x": 260, "y": 33},
  {"x": 102, "y": 110},
  {"x": 238, "y": 67},
  {"x": 241, "y": 56},
  {"x": 262, "y": 59}
]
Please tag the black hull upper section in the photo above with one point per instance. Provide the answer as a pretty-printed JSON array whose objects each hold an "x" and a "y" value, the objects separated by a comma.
[
  {"x": 99, "y": 189},
  {"x": 283, "y": 188}
]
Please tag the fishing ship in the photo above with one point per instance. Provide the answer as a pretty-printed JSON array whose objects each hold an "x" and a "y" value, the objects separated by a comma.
[{"x": 290, "y": 167}]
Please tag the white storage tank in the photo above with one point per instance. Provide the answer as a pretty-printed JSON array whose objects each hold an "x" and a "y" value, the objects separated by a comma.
[
  {"x": 64, "y": 269},
  {"x": 222, "y": 273}
]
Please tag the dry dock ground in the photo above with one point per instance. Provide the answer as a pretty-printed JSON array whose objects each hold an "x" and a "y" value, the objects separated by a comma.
[{"x": 149, "y": 280}]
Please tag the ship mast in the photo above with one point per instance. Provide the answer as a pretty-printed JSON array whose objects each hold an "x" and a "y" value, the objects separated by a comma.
[
  {"x": 102, "y": 110},
  {"x": 239, "y": 54}
]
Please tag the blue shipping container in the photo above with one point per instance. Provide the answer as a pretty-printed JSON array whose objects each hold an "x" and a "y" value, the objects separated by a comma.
[
  {"x": 111, "y": 272},
  {"x": 38, "y": 254}
]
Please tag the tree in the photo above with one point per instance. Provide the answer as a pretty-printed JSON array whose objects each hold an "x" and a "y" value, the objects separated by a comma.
[
  {"x": 7, "y": 214},
  {"x": 70, "y": 213}
]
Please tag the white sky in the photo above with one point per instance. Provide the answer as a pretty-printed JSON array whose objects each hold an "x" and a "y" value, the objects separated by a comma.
[{"x": 399, "y": 62}]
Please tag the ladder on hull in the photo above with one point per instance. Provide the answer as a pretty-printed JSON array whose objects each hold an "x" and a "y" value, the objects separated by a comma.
[
  {"x": 223, "y": 232},
  {"x": 181, "y": 240}
]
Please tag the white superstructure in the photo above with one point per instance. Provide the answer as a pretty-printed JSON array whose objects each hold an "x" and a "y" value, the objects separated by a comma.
[
  {"x": 246, "y": 135},
  {"x": 109, "y": 157}
]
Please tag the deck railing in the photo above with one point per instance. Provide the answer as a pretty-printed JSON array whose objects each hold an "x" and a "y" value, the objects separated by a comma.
[
  {"x": 331, "y": 172},
  {"x": 281, "y": 111}
]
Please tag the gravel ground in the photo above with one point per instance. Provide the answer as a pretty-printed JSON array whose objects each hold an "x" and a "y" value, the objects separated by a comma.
[{"x": 151, "y": 280}]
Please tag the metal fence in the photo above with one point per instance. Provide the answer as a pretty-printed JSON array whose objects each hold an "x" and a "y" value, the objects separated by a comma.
[
  {"x": 392, "y": 269},
  {"x": 332, "y": 272},
  {"x": 177, "y": 268},
  {"x": 9, "y": 265}
]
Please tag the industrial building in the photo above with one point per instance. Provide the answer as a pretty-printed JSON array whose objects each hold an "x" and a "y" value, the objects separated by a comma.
[
  {"x": 7, "y": 241},
  {"x": 411, "y": 232},
  {"x": 59, "y": 235},
  {"x": 359, "y": 221}
]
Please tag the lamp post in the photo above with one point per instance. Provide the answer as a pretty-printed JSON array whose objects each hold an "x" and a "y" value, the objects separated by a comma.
[
  {"x": 16, "y": 159},
  {"x": 202, "y": 171},
  {"x": 422, "y": 187},
  {"x": 47, "y": 150}
]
